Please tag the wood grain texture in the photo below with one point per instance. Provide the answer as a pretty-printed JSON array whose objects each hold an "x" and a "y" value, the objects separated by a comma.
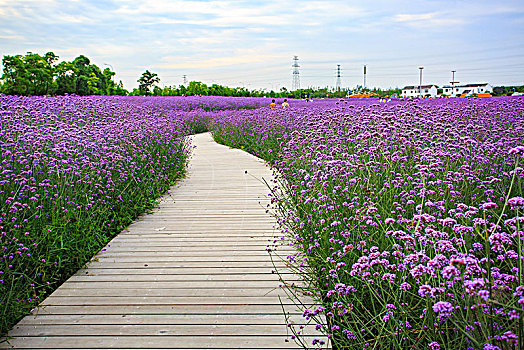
[{"x": 192, "y": 274}]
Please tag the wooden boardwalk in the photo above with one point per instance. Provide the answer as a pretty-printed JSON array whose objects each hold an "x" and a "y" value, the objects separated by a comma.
[{"x": 194, "y": 274}]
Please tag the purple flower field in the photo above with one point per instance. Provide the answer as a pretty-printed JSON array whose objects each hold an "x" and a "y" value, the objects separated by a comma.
[{"x": 407, "y": 216}]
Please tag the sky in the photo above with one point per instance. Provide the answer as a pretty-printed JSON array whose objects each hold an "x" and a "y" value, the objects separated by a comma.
[{"x": 252, "y": 43}]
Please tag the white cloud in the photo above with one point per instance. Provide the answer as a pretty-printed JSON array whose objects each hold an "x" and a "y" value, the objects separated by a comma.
[
  {"x": 12, "y": 37},
  {"x": 427, "y": 19}
]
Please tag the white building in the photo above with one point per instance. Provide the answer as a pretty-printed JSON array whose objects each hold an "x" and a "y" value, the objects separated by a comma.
[
  {"x": 458, "y": 90},
  {"x": 416, "y": 91}
]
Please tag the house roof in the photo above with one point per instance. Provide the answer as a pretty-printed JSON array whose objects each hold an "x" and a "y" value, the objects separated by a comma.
[
  {"x": 467, "y": 85},
  {"x": 476, "y": 85},
  {"x": 411, "y": 87}
]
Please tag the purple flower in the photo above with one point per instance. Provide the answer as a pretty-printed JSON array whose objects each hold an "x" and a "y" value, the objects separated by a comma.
[
  {"x": 489, "y": 205},
  {"x": 424, "y": 290},
  {"x": 516, "y": 203},
  {"x": 517, "y": 150},
  {"x": 450, "y": 272},
  {"x": 434, "y": 346},
  {"x": 405, "y": 286},
  {"x": 444, "y": 309},
  {"x": 389, "y": 221},
  {"x": 483, "y": 294}
]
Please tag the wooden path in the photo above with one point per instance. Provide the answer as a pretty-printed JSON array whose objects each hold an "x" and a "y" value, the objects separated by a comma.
[{"x": 195, "y": 274}]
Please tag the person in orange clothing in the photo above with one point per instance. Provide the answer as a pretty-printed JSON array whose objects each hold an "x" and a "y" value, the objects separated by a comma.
[{"x": 273, "y": 105}]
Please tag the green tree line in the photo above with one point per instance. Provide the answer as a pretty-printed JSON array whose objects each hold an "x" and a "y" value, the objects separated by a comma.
[
  {"x": 34, "y": 74},
  {"x": 507, "y": 90},
  {"x": 195, "y": 88}
]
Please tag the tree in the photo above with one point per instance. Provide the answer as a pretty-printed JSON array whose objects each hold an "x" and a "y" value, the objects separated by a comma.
[
  {"x": 41, "y": 72},
  {"x": 109, "y": 84},
  {"x": 157, "y": 91},
  {"x": 92, "y": 83},
  {"x": 197, "y": 88},
  {"x": 65, "y": 78},
  {"x": 119, "y": 89},
  {"x": 146, "y": 81},
  {"x": 82, "y": 74},
  {"x": 31, "y": 74},
  {"x": 15, "y": 77}
]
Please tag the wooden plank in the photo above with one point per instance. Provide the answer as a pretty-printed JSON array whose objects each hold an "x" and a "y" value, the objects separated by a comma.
[
  {"x": 149, "y": 309},
  {"x": 183, "y": 264},
  {"x": 212, "y": 230},
  {"x": 172, "y": 319},
  {"x": 263, "y": 235},
  {"x": 163, "y": 300},
  {"x": 147, "y": 255},
  {"x": 168, "y": 292},
  {"x": 255, "y": 284},
  {"x": 247, "y": 257},
  {"x": 181, "y": 271},
  {"x": 203, "y": 249},
  {"x": 176, "y": 278},
  {"x": 46, "y": 330},
  {"x": 155, "y": 342},
  {"x": 193, "y": 243},
  {"x": 197, "y": 238}
]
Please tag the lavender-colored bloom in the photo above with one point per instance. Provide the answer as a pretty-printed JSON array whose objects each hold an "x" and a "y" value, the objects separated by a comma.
[
  {"x": 489, "y": 205},
  {"x": 516, "y": 203},
  {"x": 517, "y": 150},
  {"x": 483, "y": 294},
  {"x": 444, "y": 309},
  {"x": 450, "y": 272},
  {"x": 434, "y": 346},
  {"x": 405, "y": 286},
  {"x": 389, "y": 221}
]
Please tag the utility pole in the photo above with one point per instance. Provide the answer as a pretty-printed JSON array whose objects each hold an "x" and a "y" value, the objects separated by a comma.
[
  {"x": 420, "y": 83},
  {"x": 296, "y": 78},
  {"x": 364, "y": 77},
  {"x": 185, "y": 79},
  {"x": 453, "y": 82},
  {"x": 338, "y": 78}
]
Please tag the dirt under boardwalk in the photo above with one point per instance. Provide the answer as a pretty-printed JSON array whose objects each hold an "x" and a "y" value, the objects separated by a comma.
[{"x": 194, "y": 274}]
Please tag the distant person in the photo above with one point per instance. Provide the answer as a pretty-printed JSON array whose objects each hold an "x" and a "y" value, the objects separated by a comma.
[
  {"x": 273, "y": 105},
  {"x": 285, "y": 104}
]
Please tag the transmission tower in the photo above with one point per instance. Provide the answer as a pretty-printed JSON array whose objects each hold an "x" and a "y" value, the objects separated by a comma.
[
  {"x": 185, "y": 79},
  {"x": 338, "y": 78},
  {"x": 296, "y": 77}
]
